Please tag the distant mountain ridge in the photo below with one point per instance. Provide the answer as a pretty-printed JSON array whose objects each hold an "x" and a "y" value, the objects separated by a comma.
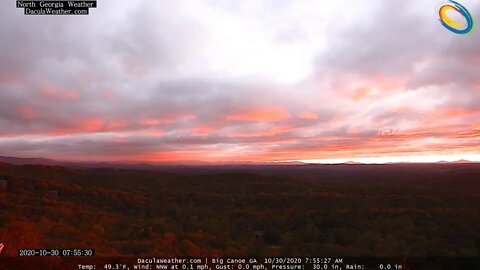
[
  {"x": 461, "y": 161},
  {"x": 153, "y": 166},
  {"x": 30, "y": 161}
]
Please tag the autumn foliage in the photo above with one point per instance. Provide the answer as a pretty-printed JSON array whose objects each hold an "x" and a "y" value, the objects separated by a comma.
[{"x": 371, "y": 212}]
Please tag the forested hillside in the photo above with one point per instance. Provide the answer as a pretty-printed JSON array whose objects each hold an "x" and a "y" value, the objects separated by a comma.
[{"x": 133, "y": 212}]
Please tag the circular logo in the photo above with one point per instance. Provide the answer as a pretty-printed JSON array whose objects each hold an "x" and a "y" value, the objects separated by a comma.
[{"x": 449, "y": 9}]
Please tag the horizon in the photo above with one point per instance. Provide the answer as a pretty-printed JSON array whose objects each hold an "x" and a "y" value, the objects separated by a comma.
[
  {"x": 193, "y": 163},
  {"x": 229, "y": 83}
]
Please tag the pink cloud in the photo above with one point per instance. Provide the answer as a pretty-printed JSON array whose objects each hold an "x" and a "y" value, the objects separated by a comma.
[
  {"x": 267, "y": 131},
  {"x": 203, "y": 130},
  {"x": 259, "y": 115},
  {"x": 308, "y": 116},
  {"x": 155, "y": 121},
  {"x": 54, "y": 92},
  {"x": 27, "y": 112}
]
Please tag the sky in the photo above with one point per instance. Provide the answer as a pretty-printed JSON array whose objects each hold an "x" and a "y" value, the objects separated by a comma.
[{"x": 226, "y": 81}]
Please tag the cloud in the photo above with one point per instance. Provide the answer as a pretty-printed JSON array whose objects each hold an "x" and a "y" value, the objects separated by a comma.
[{"x": 237, "y": 81}]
